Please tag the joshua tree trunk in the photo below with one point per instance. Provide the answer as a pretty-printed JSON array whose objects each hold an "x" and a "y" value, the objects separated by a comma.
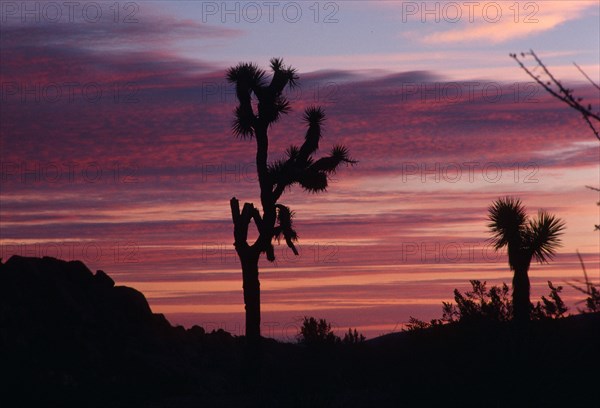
[
  {"x": 519, "y": 260},
  {"x": 251, "y": 286},
  {"x": 521, "y": 301},
  {"x": 249, "y": 256}
]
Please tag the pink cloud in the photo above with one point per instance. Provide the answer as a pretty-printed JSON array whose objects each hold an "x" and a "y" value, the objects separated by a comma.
[{"x": 158, "y": 214}]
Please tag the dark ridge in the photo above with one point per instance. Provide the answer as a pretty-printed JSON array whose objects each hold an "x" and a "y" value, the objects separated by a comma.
[{"x": 71, "y": 338}]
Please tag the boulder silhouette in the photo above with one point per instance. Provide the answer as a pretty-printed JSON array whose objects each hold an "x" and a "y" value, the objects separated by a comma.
[
  {"x": 47, "y": 293},
  {"x": 74, "y": 333},
  {"x": 103, "y": 279}
]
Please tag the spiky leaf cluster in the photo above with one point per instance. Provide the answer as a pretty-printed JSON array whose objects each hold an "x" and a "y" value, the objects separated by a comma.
[
  {"x": 250, "y": 80},
  {"x": 538, "y": 238},
  {"x": 300, "y": 167},
  {"x": 285, "y": 228}
]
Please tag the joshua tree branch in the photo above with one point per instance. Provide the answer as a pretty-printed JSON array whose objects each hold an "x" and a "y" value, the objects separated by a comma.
[
  {"x": 241, "y": 221},
  {"x": 240, "y": 225},
  {"x": 235, "y": 210}
]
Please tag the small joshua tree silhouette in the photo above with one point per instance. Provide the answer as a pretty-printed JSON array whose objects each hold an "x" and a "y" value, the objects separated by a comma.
[{"x": 525, "y": 239}]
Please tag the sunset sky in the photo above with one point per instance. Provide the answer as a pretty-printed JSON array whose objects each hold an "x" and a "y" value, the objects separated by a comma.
[{"x": 116, "y": 149}]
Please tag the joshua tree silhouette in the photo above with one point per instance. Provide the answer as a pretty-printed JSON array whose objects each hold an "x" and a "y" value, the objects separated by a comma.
[
  {"x": 298, "y": 166},
  {"x": 524, "y": 238}
]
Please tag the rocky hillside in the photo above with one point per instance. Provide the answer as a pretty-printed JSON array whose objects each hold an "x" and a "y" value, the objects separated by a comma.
[{"x": 67, "y": 333}]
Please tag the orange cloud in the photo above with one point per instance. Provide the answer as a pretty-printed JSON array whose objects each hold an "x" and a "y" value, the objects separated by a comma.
[{"x": 506, "y": 21}]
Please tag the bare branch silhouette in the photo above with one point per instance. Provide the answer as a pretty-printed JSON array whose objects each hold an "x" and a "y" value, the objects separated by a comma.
[
  {"x": 555, "y": 88},
  {"x": 587, "y": 76}
]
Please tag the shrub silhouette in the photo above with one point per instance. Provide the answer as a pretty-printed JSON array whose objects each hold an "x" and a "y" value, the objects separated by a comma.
[
  {"x": 316, "y": 332},
  {"x": 552, "y": 307},
  {"x": 479, "y": 304},
  {"x": 493, "y": 305},
  {"x": 592, "y": 302},
  {"x": 415, "y": 324},
  {"x": 353, "y": 337}
]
